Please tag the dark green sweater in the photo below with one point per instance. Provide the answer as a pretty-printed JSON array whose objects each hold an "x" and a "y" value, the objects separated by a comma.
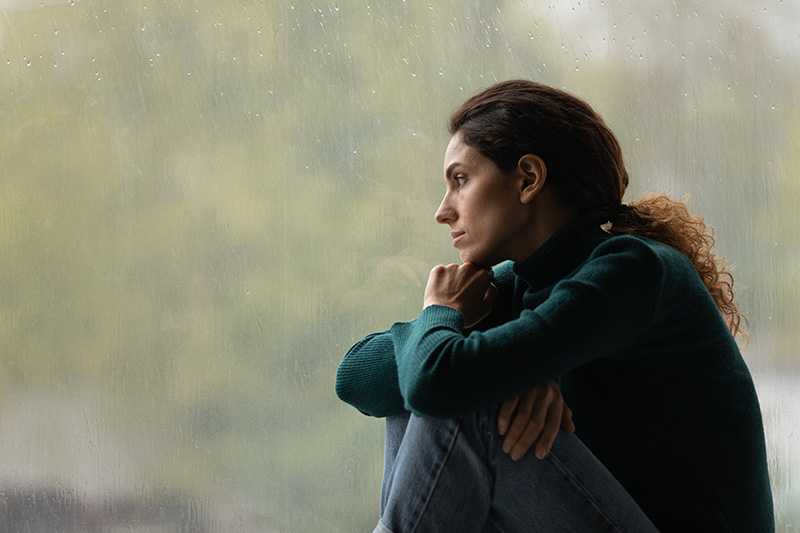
[{"x": 657, "y": 385}]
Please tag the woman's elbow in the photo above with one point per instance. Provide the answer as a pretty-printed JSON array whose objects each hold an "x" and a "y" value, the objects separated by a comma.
[{"x": 343, "y": 387}]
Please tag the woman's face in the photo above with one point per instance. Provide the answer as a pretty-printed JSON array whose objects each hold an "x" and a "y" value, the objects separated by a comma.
[{"x": 483, "y": 203}]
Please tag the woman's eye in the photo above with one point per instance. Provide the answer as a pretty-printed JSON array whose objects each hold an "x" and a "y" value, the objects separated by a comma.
[{"x": 460, "y": 178}]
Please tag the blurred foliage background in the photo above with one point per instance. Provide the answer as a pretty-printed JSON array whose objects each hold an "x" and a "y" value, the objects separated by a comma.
[{"x": 200, "y": 200}]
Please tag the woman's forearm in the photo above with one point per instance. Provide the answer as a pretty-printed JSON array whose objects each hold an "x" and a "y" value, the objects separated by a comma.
[{"x": 366, "y": 378}]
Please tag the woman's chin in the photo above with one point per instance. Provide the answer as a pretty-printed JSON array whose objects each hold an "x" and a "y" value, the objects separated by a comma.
[
  {"x": 474, "y": 258},
  {"x": 477, "y": 258}
]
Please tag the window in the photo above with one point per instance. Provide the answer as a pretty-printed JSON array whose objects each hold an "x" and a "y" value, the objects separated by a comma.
[{"x": 203, "y": 204}]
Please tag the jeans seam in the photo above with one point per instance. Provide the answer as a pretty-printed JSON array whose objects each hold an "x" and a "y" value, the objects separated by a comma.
[
  {"x": 418, "y": 517},
  {"x": 384, "y": 526},
  {"x": 586, "y": 493}
]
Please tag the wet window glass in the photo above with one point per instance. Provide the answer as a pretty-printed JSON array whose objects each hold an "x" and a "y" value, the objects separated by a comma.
[{"x": 204, "y": 204}]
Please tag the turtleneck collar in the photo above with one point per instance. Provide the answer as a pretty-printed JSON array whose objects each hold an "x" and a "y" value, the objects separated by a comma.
[{"x": 561, "y": 252}]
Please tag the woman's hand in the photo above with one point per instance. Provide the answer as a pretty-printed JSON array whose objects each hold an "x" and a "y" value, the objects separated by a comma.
[
  {"x": 467, "y": 288},
  {"x": 539, "y": 415},
  {"x": 488, "y": 301}
]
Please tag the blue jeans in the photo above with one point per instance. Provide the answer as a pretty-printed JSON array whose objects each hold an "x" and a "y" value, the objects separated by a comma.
[{"x": 451, "y": 475}]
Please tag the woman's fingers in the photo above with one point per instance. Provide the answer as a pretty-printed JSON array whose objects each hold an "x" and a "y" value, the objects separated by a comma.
[
  {"x": 535, "y": 425},
  {"x": 520, "y": 420},
  {"x": 540, "y": 413},
  {"x": 550, "y": 431},
  {"x": 505, "y": 412}
]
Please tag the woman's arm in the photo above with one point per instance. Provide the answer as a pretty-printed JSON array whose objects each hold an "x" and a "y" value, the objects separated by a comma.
[
  {"x": 367, "y": 379},
  {"x": 597, "y": 312}
]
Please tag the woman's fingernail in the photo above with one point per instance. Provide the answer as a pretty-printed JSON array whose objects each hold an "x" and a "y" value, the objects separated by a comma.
[
  {"x": 540, "y": 454},
  {"x": 503, "y": 427}
]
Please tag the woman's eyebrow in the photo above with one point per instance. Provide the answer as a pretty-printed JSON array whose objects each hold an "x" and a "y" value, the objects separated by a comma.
[{"x": 451, "y": 167}]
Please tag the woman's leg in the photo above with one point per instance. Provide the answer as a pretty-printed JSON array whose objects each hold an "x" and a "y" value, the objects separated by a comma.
[
  {"x": 395, "y": 431},
  {"x": 452, "y": 475},
  {"x": 434, "y": 473}
]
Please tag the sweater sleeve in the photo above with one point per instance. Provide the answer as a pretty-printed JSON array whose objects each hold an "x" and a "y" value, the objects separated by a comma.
[
  {"x": 366, "y": 378},
  {"x": 598, "y": 311}
]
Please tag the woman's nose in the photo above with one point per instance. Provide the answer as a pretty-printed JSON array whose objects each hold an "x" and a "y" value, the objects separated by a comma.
[{"x": 444, "y": 215}]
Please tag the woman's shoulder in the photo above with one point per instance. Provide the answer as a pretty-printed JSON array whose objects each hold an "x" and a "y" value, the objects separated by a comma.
[
  {"x": 641, "y": 245},
  {"x": 676, "y": 272}
]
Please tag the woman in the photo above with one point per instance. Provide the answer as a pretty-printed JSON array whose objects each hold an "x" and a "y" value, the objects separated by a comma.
[{"x": 620, "y": 308}]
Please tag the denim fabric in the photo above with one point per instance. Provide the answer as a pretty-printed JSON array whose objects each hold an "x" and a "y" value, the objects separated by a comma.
[{"x": 451, "y": 475}]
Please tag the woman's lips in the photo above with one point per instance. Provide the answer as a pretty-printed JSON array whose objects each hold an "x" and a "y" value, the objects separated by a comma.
[{"x": 458, "y": 238}]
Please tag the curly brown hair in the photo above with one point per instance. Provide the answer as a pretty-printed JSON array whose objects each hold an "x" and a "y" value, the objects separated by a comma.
[{"x": 586, "y": 170}]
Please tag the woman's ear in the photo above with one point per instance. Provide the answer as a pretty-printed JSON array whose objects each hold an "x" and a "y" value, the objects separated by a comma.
[{"x": 533, "y": 172}]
